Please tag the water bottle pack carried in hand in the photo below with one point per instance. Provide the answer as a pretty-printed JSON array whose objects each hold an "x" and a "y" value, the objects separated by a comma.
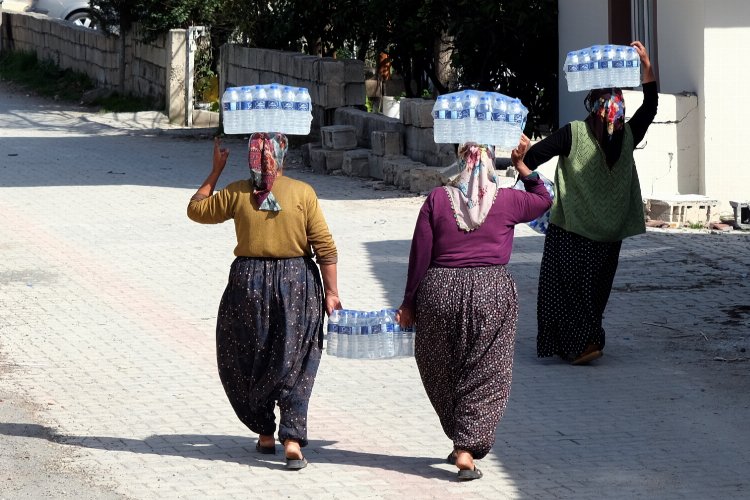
[
  {"x": 367, "y": 335},
  {"x": 541, "y": 223}
]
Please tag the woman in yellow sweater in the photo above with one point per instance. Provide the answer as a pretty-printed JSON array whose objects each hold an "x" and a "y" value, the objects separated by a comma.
[{"x": 269, "y": 332}]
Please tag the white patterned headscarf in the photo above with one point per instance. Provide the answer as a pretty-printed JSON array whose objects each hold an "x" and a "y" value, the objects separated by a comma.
[{"x": 473, "y": 191}]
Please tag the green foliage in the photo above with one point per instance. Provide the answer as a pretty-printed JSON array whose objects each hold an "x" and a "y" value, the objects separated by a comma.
[{"x": 43, "y": 77}]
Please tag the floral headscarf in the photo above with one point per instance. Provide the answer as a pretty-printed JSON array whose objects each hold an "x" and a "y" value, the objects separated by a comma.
[
  {"x": 473, "y": 191},
  {"x": 607, "y": 106},
  {"x": 265, "y": 157}
]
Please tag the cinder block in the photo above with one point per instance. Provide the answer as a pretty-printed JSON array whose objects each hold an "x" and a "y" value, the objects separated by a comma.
[
  {"x": 357, "y": 163},
  {"x": 354, "y": 94},
  {"x": 354, "y": 71},
  {"x": 387, "y": 143},
  {"x": 396, "y": 171},
  {"x": 334, "y": 160},
  {"x": 305, "y": 149},
  {"x": 335, "y": 95},
  {"x": 330, "y": 70},
  {"x": 318, "y": 160},
  {"x": 425, "y": 179},
  {"x": 338, "y": 137}
]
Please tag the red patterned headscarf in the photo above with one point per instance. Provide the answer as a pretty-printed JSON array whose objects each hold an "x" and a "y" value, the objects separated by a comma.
[
  {"x": 265, "y": 157},
  {"x": 607, "y": 111}
]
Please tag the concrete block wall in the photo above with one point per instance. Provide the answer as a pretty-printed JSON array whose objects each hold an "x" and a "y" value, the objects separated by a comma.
[
  {"x": 67, "y": 45},
  {"x": 333, "y": 83},
  {"x": 94, "y": 53}
]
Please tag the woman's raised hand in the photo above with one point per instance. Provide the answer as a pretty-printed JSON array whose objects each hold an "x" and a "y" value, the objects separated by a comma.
[
  {"x": 220, "y": 156},
  {"x": 648, "y": 72},
  {"x": 519, "y": 152}
]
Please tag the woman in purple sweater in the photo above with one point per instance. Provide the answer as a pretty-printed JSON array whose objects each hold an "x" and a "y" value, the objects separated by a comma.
[{"x": 464, "y": 300}]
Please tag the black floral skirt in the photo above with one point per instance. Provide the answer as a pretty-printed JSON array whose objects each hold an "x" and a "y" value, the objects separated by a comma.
[
  {"x": 268, "y": 342},
  {"x": 466, "y": 328},
  {"x": 575, "y": 281}
]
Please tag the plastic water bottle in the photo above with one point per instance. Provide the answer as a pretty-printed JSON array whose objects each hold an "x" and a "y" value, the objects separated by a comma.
[
  {"x": 441, "y": 117},
  {"x": 633, "y": 67},
  {"x": 407, "y": 339},
  {"x": 484, "y": 119},
  {"x": 333, "y": 333},
  {"x": 302, "y": 111},
  {"x": 516, "y": 122},
  {"x": 469, "y": 100},
  {"x": 245, "y": 110},
  {"x": 571, "y": 72},
  {"x": 597, "y": 76},
  {"x": 608, "y": 55},
  {"x": 585, "y": 69},
  {"x": 376, "y": 335},
  {"x": 499, "y": 119},
  {"x": 345, "y": 334},
  {"x": 619, "y": 75},
  {"x": 457, "y": 122},
  {"x": 259, "y": 109},
  {"x": 230, "y": 102},
  {"x": 273, "y": 107},
  {"x": 387, "y": 320},
  {"x": 287, "y": 110}
]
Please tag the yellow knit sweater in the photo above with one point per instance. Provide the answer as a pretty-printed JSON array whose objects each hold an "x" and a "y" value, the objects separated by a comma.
[{"x": 296, "y": 231}]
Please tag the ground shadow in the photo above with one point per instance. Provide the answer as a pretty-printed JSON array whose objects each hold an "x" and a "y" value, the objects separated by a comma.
[{"x": 236, "y": 449}]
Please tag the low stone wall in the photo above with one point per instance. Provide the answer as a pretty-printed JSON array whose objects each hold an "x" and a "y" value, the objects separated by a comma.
[{"x": 155, "y": 69}]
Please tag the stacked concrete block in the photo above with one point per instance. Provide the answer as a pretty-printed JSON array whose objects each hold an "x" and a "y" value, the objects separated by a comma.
[
  {"x": 386, "y": 144},
  {"x": 338, "y": 137},
  {"x": 357, "y": 162},
  {"x": 419, "y": 142},
  {"x": 365, "y": 123},
  {"x": 424, "y": 179},
  {"x": 397, "y": 171}
]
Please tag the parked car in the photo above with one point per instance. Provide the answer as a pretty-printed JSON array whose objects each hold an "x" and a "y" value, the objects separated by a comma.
[{"x": 75, "y": 11}]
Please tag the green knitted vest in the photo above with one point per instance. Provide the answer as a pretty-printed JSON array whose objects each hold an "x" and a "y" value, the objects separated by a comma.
[{"x": 593, "y": 200}]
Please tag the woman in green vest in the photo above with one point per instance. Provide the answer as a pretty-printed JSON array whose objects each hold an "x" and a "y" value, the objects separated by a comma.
[{"x": 597, "y": 204}]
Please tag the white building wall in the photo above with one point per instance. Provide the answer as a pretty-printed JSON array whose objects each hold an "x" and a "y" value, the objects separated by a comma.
[
  {"x": 727, "y": 47},
  {"x": 580, "y": 23}
]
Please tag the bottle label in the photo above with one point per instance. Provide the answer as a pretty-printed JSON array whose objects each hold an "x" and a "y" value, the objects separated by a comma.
[
  {"x": 302, "y": 106},
  {"x": 333, "y": 328},
  {"x": 389, "y": 327},
  {"x": 226, "y": 106},
  {"x": 346, "y": 330},
  {"x": 259, "y": 104},
  {"x": 246, "y": 105},
  {"x": 603, "y": 64},
  {"x": 497, "y": 116},
  {"x": 618, "y": 64},
  {"x": 375, "y": 328},
  {"x": 584, "y": 66},
  {"x": 272, "y": 104},
  {"x": 572, "y": 68},
  {"x": 482, "y": 115},
  {"x": 287, "y": 105}
]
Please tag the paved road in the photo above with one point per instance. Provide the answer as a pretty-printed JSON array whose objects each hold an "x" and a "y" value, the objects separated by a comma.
[{"x": 108, "y": 299}]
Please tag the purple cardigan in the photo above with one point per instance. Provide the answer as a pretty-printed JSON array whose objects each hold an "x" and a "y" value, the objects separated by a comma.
[{"x": 438, "y": 242}]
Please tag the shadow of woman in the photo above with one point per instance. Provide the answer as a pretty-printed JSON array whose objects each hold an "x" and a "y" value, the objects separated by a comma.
[{"x": 236, "y": 449}]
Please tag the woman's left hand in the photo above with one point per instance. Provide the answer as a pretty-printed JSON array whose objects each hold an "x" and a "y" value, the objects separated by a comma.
[{"x": 405, "y": 317}]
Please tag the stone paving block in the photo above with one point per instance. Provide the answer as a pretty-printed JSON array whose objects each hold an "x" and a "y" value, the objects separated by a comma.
[
  {"x": 330, "y": 70},
  {"x": 354, "y": 94},
  {"x": 335, "y": 95},
  {"x": 305, "y": 149},
  {"x": 338, "y": 137}
]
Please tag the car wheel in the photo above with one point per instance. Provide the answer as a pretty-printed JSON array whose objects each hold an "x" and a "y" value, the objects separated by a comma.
[{"x": 82, "y": 18}]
